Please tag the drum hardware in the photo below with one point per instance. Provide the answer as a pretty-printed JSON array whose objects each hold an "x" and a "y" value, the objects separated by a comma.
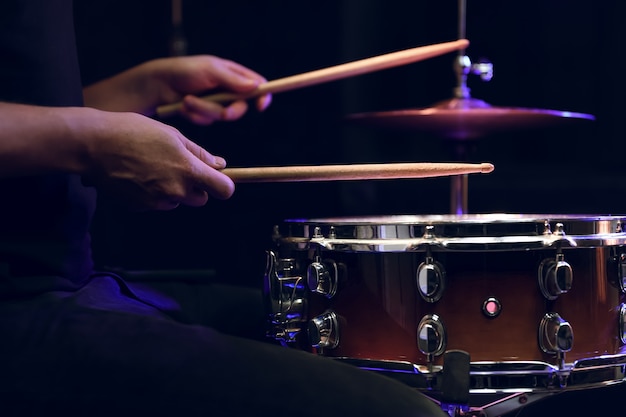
[
  {"x": 590, "y": 372},
  {"x": 322, "y": 277},
  {"x": 556, "y": 337},
  {"x": 555, "y": 276},
  {"x": 559, "y": 231},
  {"x": 622, "y": 272},
  {"x": 463, "y": 67},
  {"x": 506, "y": 377},
  {"x": 323, "y": 330},
  {"x": 492, "y": 307},
  {"x": 522, "y": 376},
  {"x": 177, "y": 42},
  {"x": 622, "y": 323},
  {"x": 497, "y": 388},
  {"x": 616, "y": 270},
  {"x": 558, "y": 237},
  {"x": 547, "y": 230},
  {"x": 431, "y": 279},
  {"x": 276, "y": 234},
  {"x": 288, "y": 299},
  {"x": 286, "y": 295},
  {"x": 429, "y": 232},
  {"x": 431, "y": 338}
]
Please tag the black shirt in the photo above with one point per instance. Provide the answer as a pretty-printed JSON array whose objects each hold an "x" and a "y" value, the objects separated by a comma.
[{"x": 44, "y": 221}]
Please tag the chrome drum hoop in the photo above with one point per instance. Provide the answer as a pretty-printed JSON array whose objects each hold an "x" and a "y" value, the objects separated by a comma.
[
  {"x": 469, "y": 232},
  {"x": 509, "y": 377}
]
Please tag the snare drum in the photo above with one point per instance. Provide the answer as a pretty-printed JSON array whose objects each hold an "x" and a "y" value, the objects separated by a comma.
[{"x": 538, "y": 295}]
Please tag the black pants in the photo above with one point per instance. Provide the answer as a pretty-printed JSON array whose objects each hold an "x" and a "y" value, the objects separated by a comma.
[{"x": 111, "y": 350}]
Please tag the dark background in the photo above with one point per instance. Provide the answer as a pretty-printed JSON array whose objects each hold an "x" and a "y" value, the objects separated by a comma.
[{"x": 564, "y": 55}]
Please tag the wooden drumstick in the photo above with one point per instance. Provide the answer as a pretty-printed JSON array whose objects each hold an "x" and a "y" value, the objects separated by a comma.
[
  {"x": 353, "y": 172},
  {"x": 337, "y": 72}
]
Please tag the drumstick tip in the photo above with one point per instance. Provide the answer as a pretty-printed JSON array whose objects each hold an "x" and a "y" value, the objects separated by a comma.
[
  {"x": 464, "y": 43},
  {"x": 486, "y": 168}
]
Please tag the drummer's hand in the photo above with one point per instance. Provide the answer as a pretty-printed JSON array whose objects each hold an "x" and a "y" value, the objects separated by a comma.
[
  {"x": 168, "y": 80},
  {"x": 148, "y": 165}
]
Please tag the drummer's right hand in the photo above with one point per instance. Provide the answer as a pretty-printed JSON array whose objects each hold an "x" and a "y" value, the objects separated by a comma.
[{"x": 148, "y": 165}]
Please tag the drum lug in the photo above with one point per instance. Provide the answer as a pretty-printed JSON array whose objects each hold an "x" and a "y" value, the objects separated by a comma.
[
  {"x": 555, "y": 277},
  {"x": 431, "y": 280},
  {"x": 431, "y": 337},
  {"x": 555, "y": 334},
  {"x": 322, "y": 277},
  {"x": 621, "y": 272},
  {"x": 622, "y": 323},
  {"x": 286, "y": 295},
  {"x": 324, "y": 330},
  {"x": 617, "y": 271}
]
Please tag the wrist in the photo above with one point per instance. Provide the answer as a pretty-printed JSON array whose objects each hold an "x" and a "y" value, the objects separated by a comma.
[
  {"x": 82, "y": 129},
  {"x": 38, "y": 140}
]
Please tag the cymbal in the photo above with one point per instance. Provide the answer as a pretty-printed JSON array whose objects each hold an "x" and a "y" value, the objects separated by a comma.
[{"x": 468, "y": 118}]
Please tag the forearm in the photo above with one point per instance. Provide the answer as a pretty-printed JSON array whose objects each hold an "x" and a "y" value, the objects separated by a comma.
[{"x": 36, "y": 140}]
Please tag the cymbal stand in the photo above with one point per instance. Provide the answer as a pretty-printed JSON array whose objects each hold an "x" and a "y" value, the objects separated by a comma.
[
  {"x": 463, "y": 67},
  {"x": 177, "y": 41}
]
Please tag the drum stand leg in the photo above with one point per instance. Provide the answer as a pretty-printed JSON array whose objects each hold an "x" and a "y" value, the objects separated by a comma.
[{"x": 509, "y": 404}]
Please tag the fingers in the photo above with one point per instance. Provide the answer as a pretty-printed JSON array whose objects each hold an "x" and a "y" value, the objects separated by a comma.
[
  {"x": 205, "y": 112},
  {"x": 209, "y": 181},
  {"x": 163, "y": 205},
  {"x": 216, "y": 184},
  {"x": 209, "y": 73},
  {"x": 263, "y": 102},
  {"x": 200, "y": 180},
  {"x": 205, "y": 157},
  {"x": 242, "y": 79},
  {"x": 200, "y": 111},
  {"x": 238, "y": 77}
]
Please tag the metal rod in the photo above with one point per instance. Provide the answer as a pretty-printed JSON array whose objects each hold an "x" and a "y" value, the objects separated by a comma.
[
  {"x": 462, "y": 18},
  {"x": 459, "y": 187}
]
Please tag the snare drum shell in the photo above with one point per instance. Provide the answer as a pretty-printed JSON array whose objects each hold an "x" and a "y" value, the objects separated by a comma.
[{"x": 379, "y": 306}]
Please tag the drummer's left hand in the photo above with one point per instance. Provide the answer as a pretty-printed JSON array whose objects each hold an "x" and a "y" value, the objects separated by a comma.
[{"x": 167, "y": 80}]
